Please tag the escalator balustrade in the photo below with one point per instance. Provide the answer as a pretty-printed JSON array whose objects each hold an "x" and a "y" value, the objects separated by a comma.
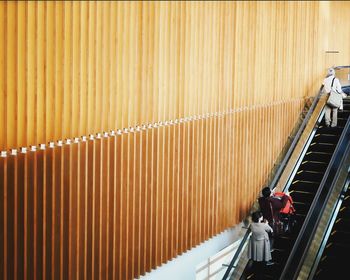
[
  {"x": 303, "y": 189},
  {"x": 334, "y": 261}
]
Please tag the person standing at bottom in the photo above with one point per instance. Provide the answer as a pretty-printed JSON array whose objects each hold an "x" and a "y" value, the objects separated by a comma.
[
  {"x": 329, "y": 83},
  {"x": 259, "y": 244}
]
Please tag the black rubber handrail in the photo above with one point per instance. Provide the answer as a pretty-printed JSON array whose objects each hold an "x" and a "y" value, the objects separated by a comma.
[
  {"x": 303, "y": 241},
  {"x": 335, "y": 211},
  {"x": 277, "y": 175},
  {"x": 238, "y": 251},
  {"x": 295, "y": 140}
]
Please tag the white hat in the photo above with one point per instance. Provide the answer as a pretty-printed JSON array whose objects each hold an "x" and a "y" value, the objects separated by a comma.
[{"x": 330, "y": 72}]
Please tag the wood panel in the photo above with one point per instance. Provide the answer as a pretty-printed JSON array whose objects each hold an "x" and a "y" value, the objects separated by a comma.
[
  {"x": 76, "y": 68},
  {"x": 201, "y": 97},
  {"x": 117, "y": 205}
]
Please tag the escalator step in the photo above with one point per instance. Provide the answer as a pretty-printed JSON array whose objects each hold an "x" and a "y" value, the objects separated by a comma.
[
  {"x": 306, "y": 175},
  {"x": 344, "y": 213},
  {"x": 279, "y": 256},
  {"x": 330, "y": 273},
  {"x": 302, "y": 196},
  {"x": 301, "y": 207},
  {"x": 326, "y": 138},
  {"x": 264, "y": 272},
  {"x": 329, "y": 130},
  {"x": 342, "y": 224},
  {"x": 318, "y": 156},
  {"x": 344, "y": 114},
  {"x": 306, "y": 186},
  {"x": 313, "y": 166},
  {"x": 330, "y": 261},
  {"x": 283, "y": 243},
  {"x": 322, "y": 147},
  {"x": 341, "y": 122},
  {"x": 336, "y": 249},
  {"x": 297, "y": 227},
  {"x": 346, "y": 201},
  {"x": 338, "y": 236}
]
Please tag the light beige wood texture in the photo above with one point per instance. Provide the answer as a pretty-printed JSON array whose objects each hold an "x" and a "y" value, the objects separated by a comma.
[
  {"x": 75, "y": 68},
  {"x": 115, "y": 207}
]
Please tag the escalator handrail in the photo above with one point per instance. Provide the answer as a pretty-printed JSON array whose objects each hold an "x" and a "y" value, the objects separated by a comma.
[
  {"x": 295, "y": 140},
  {"x": 305, "y": 236},
  {"x": 329, "y": 227},
  {"x": 237, "y": 253},
  {"x": 278, "y": 174}
]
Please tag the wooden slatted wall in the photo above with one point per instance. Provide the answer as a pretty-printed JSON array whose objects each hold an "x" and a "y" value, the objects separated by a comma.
[
  {"x": 201, "y": 95},
  {"x": 75, "y": 68},
  {"x": 116, "y": 206}
]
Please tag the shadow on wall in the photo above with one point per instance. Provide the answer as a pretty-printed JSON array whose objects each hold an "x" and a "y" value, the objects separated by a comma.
[{"x": 184, "y": 266}]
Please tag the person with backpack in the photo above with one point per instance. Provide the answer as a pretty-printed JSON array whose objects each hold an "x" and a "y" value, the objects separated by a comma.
[
  {"x": 270, "y": 207},
  {"x": 332, "y": 84},
  {"x": 287, "y": 213}
]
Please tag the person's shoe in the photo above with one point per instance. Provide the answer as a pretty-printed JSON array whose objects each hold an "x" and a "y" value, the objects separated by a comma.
[
  {"x": 333, "y": 125},
  {"x": 327, "y": 125},
  {"x": 270, "y": 263}
]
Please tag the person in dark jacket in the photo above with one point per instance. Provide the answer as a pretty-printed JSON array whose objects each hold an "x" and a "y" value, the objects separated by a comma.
[
  {"x": 270, "y": 206},
  {"x": 259, "y": 245}
]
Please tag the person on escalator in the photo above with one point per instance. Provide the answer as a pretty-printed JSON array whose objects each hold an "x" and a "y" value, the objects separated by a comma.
[
  {"x": 271, "y": 206},
  {"x": 259, "y": 243},
  {"x": 329, "y": 83}
]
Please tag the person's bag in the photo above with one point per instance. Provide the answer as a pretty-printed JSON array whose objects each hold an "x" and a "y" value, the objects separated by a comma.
[
  {"x": 289, "y": 223},
  {"x": 289, "y": 207},
  {"x": 335, "y": 99},
  {"x": 277, "y": 227}
]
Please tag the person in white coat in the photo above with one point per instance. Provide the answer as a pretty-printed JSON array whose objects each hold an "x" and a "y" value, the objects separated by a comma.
[
  {"x": 332, "y": 82},
  {"x": 259, "y": 244}
]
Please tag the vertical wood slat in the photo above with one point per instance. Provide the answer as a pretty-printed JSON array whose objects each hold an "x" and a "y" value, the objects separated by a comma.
[
  {"x": 130, "y": 217},
  {"x": 110, "y": 169},
  {"x": 3, "y": 75},
  {"x": 3, "y": 218},
  {"x": 10, "y": 200},
  {"x": 89, "y": 210},
  {"x": 96, "y": 207},
  {"x": 124, "y": 235},
  {"x": 40, "y": 218},
  {"x": 21, "y": 211},
  {"x": 48, "y": 210},
  {"x": 104, "y": 217}
]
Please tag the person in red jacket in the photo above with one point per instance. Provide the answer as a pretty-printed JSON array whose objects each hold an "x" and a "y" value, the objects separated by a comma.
[{"x": 270, "y": 205}]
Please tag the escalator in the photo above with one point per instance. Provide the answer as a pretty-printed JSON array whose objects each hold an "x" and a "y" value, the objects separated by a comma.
[
  {"x": 303, "y": 188},
  {"x": 333, "y": 262}
]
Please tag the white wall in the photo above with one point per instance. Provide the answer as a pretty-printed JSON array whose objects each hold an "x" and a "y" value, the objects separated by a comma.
[
  {"x": 212, "y": 268},
  {"x": 184, "y": 267}
]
